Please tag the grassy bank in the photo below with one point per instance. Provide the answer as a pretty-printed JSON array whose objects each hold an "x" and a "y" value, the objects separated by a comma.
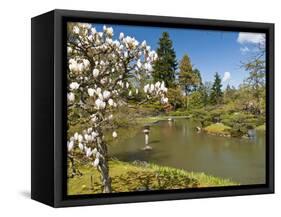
[{"x": 127, "y": 177}]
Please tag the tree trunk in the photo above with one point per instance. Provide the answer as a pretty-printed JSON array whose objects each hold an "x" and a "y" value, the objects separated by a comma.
[
  {"x": 103, "y": 167},
  {"x": 105, "y": 178}
]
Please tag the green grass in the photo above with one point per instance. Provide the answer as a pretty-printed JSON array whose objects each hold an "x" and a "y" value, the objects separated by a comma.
[
  {"x": 261, "y": 127},
  {"x": 201, "y": 179},
  {"x": 128, "y": 177},
  {"x": 218, "y": 129}
]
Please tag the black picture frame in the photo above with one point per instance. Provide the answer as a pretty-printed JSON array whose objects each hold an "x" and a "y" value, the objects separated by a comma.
[{"x": 48, "y": 108}]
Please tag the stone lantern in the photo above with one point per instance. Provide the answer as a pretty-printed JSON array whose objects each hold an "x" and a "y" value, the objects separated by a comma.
[{"x": 146, "y": 131}]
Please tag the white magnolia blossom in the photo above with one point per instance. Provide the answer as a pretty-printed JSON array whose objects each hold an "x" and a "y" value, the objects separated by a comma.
[
  {"x": 76, "y": 136},
  {"x": 70, "y": 96},
  {"x": 69, "y": 50},
  {"x": 76, "y": 29},
  {"x": 74, "y": 86},
  {"x": 157, "y": 89},
  {"x": 106, "y": 94},
  {"x": 93, "y": 31},
  {"x": 145, "y": 88},
  {"x": 110, "y": 102},
  {"x": 139, "y": 64},
  {"x": 70, "y": 145},
  {"x": 91, "y": 92},
  {"x": 81, "y": 146},
  {"x": 95, "y": 151},
  {"x": 96, "y": 162},
  {"x": 164, "y": 100},
  {"x": 80, "y": 138},
  {"x": 121, "y": 36},
  {"x": 87, "y": 137},
  {"x": 78, "y": 66},
  {"x": 100, "y": 104},
  {"x": 108, "y": 31},
  {"x": 120, "y": 83},
  {"x": 148, "y": 67},
  {"x": 94, "y": 118},
  {"x": 94, "y": 134},
  {"x": 98, "y": 90},
  {"x": 79, "y": 141},
  {"x": 103, "y": 81},
  {"x": 89, "y": 130},
  {"x": 96, "y": 73},
  {"x": 88, "y": 152},
  {"x": 114, "y": 134}
]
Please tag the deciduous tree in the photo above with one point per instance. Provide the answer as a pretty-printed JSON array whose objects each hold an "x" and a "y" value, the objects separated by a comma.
[
  {"x": 189, "y": 78},
  {"x": 102, "y": 72}
]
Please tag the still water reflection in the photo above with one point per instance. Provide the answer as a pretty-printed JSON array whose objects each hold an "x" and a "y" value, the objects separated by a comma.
[{"x": 177, "y": 144}]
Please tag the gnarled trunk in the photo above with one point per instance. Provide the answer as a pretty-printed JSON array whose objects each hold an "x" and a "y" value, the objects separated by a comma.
[
  {"x": 105, "y": 178},
  {"x": 103, "y": 166}
]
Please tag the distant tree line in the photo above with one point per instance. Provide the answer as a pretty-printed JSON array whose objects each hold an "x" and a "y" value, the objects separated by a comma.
[{"x": 238, "y": 107}]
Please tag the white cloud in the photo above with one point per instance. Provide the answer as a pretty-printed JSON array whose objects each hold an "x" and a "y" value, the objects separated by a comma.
[
  {"x": 226, "y": 77},
  {"x": 250, "y": 38},
  {"x": 244, "y": 49}
]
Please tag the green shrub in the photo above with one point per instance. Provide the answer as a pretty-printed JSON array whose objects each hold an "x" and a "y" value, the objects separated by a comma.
[
  {"x": 240, "y": 123},
  {"x": 195, "y": 100},
  {"x": 202, "y": 116},
  {"x": 175, "y": 98}
]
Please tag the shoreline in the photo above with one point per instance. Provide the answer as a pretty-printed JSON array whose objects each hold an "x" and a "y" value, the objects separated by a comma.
[{"x": 215, "y": 129}]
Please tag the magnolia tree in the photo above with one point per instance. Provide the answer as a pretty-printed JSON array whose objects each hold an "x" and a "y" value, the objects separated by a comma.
[{"x": 102, "y": 74}]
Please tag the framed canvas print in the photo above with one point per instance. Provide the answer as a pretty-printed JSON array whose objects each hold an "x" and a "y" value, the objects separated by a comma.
[{"x": 131, "y": 108}]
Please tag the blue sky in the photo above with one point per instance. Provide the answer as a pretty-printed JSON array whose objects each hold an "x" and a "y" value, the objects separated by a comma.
[{"x": 210, "y": 51}]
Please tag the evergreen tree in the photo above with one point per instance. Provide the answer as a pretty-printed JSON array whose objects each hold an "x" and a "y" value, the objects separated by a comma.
[
  {"x": 202, "y": 89},
  {"x": 228, "y": 88},
  {"x": 229, "y": 94},
  {"x": 216, "y": 92},
  {"x": 189, "y": 78},
  {"x": 166, "y": 65}
]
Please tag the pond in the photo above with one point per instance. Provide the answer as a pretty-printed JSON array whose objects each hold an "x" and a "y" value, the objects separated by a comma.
[{"x": 177, "y": 144}]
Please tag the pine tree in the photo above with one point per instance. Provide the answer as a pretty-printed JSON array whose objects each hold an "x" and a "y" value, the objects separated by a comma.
[
  {"x": 166, "y": 65},
  {"x": 189, "y": 78},
  {"x": 216, "y": 92},
  {"x": 228, "y": 88},
  {"x": 202, "y": 89},
  {"x": 229, "y": 94}
]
